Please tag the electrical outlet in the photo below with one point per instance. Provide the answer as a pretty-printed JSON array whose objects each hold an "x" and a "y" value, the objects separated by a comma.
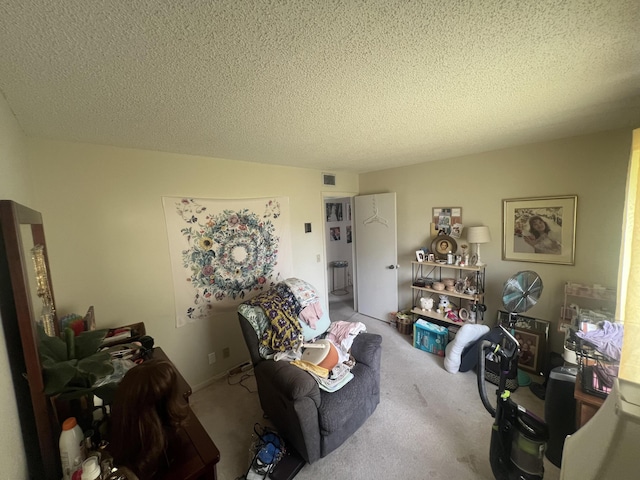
[
  {"x": 226, "y": 353},
  {"x": 212, "y": 358}
]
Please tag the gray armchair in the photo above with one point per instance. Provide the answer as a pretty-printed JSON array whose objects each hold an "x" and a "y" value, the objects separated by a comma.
[{"x": 312, "y": 421}]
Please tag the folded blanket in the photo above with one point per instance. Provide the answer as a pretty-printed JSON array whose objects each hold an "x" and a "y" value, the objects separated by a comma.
[
  {"x": 304, "y": 292},
  {"x": 285, "y": 292},
  {"x": 285, "y": 327},
  {"x": 311, "y": 368},
  {"x": 329, "y": 381}
]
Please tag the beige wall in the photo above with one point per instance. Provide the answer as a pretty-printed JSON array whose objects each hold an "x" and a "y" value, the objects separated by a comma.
[
  {"x": 108, "y": 244},
  {"x": 592, "y": 167},
  {"x": 14, "y": 185}
]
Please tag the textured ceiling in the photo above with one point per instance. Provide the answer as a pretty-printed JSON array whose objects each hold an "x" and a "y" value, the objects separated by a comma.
[{"x": 355, "y": 85}]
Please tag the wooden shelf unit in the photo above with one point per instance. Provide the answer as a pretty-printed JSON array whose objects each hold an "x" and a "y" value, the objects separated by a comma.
[{"x": 433, "y": 271}]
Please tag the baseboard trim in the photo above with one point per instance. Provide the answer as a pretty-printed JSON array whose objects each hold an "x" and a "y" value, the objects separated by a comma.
[{"x": 218, "y": 376}]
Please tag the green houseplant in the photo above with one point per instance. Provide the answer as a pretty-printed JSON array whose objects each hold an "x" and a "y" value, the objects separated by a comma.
[{"x": 71, "y": 366}]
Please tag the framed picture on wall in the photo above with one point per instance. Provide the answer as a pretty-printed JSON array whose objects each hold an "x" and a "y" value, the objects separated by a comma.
[
  {"x": 333, "y": 211},
  {"x": 541, "y": 229}
]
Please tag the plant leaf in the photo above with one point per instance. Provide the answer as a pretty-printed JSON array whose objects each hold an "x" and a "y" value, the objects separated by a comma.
[
  {"x": 98, "y": 365},
  {"x": 53, "y": 348},
  {"x": 87, "y": 343},
  {"x": 56, "y": 376}
]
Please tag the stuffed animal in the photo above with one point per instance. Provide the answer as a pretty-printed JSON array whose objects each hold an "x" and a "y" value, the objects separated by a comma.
[
  {"x": 443, "y": 306},
  {"x": 426, "y": 304}
]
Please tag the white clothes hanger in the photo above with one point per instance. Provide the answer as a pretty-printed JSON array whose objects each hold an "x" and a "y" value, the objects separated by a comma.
[{"x": 375, "y": 217}]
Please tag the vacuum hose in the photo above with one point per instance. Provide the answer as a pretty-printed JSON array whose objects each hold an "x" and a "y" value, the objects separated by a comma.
[{"x": 482, "y": 390}]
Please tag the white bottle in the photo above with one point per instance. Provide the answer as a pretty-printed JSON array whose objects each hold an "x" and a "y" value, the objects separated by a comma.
[
  {"x": 91, "y": 469},
  {"x": 72, "y": 452}
]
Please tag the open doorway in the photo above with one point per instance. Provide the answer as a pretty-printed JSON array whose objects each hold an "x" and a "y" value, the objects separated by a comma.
[{"x": 339, "y": 255}]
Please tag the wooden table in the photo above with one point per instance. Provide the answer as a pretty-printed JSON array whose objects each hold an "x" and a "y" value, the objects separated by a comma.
[
  {"x": 586, "y": 404},
  {"x": 199, "y": 455}
]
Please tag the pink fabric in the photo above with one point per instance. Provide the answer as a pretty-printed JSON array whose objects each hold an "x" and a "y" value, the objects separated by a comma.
[
  {"x": 343, "y": 333},
  {"x": 311, "y": 314}
]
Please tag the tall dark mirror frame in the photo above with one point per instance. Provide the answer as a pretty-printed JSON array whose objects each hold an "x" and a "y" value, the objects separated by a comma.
[{"x": 22, "y": 229}]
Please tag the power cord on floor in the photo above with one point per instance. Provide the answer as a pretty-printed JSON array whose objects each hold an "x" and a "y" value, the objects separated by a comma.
[{"x": 243, "y": 377}]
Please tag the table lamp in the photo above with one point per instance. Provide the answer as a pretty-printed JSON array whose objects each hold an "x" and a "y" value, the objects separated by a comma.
[{"x": 478, "y": 235}]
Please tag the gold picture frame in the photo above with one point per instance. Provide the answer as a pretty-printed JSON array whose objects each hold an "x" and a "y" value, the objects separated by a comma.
[{"x": 540, "y": 229}]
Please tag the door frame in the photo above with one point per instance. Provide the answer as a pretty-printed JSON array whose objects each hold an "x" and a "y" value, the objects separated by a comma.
[{"x": 328, "y": 196}]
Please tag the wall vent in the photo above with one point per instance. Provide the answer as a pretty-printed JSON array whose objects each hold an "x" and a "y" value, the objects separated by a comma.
[{"x": 329, "y": 179}]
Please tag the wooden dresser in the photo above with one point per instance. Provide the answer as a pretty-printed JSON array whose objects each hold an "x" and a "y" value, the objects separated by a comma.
[
  {"x": 586, "y": 404},
  {"x": 199, "y": 456}
]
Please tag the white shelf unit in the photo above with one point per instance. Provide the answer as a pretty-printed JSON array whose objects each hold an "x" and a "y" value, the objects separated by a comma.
[
  {"x": 593, "y": 297},
  {"x": 435, "y": 272},
  {"x": 595, "y": 303}
]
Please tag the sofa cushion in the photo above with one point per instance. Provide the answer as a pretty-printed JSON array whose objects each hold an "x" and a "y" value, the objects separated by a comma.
[{"x": 336, "y": 408}]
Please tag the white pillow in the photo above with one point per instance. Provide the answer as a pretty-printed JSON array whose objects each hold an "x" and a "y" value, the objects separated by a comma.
[{"x": 467, "y": 334}]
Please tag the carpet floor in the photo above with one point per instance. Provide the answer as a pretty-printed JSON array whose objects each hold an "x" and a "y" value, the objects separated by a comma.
[{"x": 430, "y": 424}]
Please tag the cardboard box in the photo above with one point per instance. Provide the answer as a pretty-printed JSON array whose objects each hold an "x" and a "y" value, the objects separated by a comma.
[{"x": 430, "y": 337}]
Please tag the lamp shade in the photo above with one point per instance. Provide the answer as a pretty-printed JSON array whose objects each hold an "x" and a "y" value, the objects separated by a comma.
[{"x": 479, "y": 234}]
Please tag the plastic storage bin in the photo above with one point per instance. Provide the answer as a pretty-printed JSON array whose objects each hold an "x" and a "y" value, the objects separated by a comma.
[{"x": 430, "y": 337}]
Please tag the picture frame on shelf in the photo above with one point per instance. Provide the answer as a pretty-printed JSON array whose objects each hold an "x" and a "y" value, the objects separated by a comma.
[
  {"x": 420, "y": 255},
  {"x": 431, "y": 257},
  {"x": 540, "y": 229},
  {"x": 456, "y": 230},
  {"x": 445, "y": 217}
]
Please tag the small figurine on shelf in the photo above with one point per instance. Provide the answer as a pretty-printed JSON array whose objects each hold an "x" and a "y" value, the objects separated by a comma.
[
  {"x": 426, "y": 304},
  {"x": 443, "y": 306},
  {"x": 464, "y": 259},
  {"x": 469, "y": 287}
]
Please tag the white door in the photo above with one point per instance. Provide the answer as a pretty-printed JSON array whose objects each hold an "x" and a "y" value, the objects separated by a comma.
[{"x": 376, "y": 255}]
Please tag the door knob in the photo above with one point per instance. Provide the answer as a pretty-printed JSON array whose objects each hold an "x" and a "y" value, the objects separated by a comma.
[{"x": 392, "y": 267}]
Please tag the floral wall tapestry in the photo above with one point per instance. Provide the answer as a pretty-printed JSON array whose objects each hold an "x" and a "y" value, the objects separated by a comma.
[{"x": 225, "y": 251}]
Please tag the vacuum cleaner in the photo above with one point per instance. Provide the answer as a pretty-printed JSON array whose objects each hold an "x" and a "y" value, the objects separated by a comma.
[{"x": 518, "y": 437}]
